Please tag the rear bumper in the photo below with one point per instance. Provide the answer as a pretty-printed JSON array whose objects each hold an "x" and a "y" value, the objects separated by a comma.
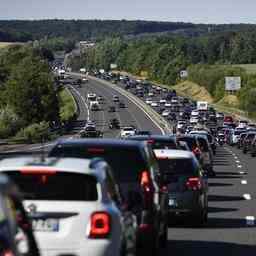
[{"x": 94, "y": 247}]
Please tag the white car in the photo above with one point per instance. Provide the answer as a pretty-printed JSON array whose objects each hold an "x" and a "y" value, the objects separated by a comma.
[
  {"x": 167, "y": 104},
  {"x": 181, "y": 124},
  {"x": 166, "y": 113},
  {"x": 148, "y": 101},
  {"x": 127, "y": 131},
  {"x": 193, "y": 120},
  {"x": 91, "y": 96},
  {"x": 194, "y": 113},
  {"x": 162, "y": 102},
  {"x": 150, "y": 94},
  {"x": 154, "y": 104},
  {"x": 242, "y": 124},
  {"x": 70, "y": 204}
]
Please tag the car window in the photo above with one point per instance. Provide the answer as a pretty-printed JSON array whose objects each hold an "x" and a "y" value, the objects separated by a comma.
[
  {"x": 182, "y": 166},
  {"x": 62, "y": 186},
  {"x": 126, "y": 163}
]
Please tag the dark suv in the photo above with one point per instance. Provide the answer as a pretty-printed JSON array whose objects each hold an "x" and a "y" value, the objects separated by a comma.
[{"x": 136, "y": 170}]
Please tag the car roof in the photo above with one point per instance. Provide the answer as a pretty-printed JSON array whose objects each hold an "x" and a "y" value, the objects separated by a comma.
[
  {"x": 100, "y": 142},
  {"x": 173, "y": 153},
  {"x": 152, "y": 137},
  {"x": 74, "y": 165}
]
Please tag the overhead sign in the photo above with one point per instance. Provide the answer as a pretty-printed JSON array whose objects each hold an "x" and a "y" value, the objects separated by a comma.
[
  {"x": 232, "y": 83},
  {"x": 113, "y": 65},
  {"x": 183, "y": 73}
]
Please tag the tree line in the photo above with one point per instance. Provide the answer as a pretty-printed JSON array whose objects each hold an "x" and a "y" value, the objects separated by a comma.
[{"x": 161, "y": 58}]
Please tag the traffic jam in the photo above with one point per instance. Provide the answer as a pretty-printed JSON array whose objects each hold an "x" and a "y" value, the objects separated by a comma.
[{"x": 92, "y": 195}]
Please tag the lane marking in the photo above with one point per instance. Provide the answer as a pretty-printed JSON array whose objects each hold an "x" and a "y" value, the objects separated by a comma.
[
  {"x": 244, "y": 182},
  {"x": 243, "y": 172},
  {"x": 235, "y": 157},
  {"x": 247, "y": 196},
  {"x": 250, "y": 220},
  {"x": 239, "y": 166},
  {"x": 237, "y": 161}
]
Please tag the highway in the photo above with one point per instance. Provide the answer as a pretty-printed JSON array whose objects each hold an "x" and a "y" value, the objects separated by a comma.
[{"x": 231, "y": 227}]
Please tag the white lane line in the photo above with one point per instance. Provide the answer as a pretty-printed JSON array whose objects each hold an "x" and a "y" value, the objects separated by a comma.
[
  {"x": 235, "y": 157},
  {"x": 244, "y": 182},
  {"x": 243, "y": 172},
  {"x": 247, "y": 196},
  {"x": 83, "y": 100},
  {"x": 239, "y": 166},
  {"x": 237, "y": 161},
  {"x": 250, "y": 220}
]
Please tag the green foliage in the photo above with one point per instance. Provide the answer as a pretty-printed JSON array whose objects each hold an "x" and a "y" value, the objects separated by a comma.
[
  {"x": 34, "y": 133},
  {"x": 67, "y": 105},
  {"x": 29, "y": 91}
]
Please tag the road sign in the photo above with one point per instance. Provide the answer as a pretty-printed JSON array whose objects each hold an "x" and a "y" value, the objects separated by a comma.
[
  {"x": 232, "y": 83},
  {"x": 183, "y": 74},
  {"x": 113, "y": 65}
]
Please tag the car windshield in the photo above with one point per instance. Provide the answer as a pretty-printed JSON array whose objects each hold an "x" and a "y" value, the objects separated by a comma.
[
  {"x": 125, "y": 162},
  {"x": 59, "y": 186},
  {"x": 181, "y": 166}
]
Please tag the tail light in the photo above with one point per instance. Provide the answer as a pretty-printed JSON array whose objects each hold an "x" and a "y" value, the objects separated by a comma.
[
  {"x": 100, "y": 225},
  {"x": 196, "y": 150},
  {"x": 194, "y": 183},
  {"x": 8, "y": 253},
  {"x": 147, "y": 187}
]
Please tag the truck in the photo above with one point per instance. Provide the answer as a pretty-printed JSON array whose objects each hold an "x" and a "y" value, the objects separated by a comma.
[{"x": 202, "y": 105}]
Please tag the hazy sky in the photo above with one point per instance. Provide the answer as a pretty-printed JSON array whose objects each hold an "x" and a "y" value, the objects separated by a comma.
[{"x": 205, "y": 11}]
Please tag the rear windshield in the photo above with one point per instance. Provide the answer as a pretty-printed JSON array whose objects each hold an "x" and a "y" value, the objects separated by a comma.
[
  {"x": 190, "y": 141},
  {"x": 183, "y": 166},
  {"x": 164, "y": 145},
  {"x": 126, "y": 163},
  {"x": 61, "y": 186}
]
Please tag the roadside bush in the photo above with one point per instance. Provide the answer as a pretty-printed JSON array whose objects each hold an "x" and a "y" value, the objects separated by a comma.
[{"x": 34, "y": 133}]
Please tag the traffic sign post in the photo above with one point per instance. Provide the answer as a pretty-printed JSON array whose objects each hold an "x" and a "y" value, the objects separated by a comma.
[{"x": 232, "y": 83}]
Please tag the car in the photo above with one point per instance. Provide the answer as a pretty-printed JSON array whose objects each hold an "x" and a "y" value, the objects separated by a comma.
[
  {"x": 166, "y": 113},
  {"x": 112, "y": 109},
  {"x": 115, "y": 98},
  {"x": 253, "y": 147},
  {"x": 148, "y": 101},
  {"x": 90, "y": 132},
  {"x": 74, "y": 204},
  {"x": 127, "y": 131},
  {"x": 94, "y": 106},
  {"x": 135, "y": 169},
  {"x": 91, "y": 97},
  {"x": 247, "y": 141},
  {"x": 162, "y": 101},
  {"x": 154, "y": 104},
  {"x": 186, "y": 184},
  {"x": 235, "y": 135},
  {"x": 167, "y": 104},
  {"x": 193, "y": 120},
  {"x": 85, "y": 80},
  {"x": 242, "y": 124},
  {"x": 100, "y": 99},
  {"x": 181, "y": 124},
  {"x": 114, "y": 123},
  {"x": 150, "y": 94},
  {"x": 16, "y": 234},
  {"x": 158, "y": 141},
  {"x": 228, "y": 120},
  {"x": 121, "y": 104},
  {"x": 143, "y": 132}
]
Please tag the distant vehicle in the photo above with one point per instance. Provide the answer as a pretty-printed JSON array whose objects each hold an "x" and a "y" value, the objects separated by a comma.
[
  {"x": 186, "y": 184},
  {"x": 91, "y": 97},
  {"x": 167, "y": 104},
  {"x": 149, "y": 101},
  {"x": 127, "y": 131},
  {"x": 228, "y": 120},
  {"x": 193, "y": 120},
  {"x": 16, "y": 235},
  {"x": 73, "y": 203},
  {"x": 142, "y": 132},
  {"x": 114, "y": 123},
  {"x": 154, "y": 104},
  {"x": 112, "y": 109},
  {"x": 181, "y": 124},
  {"x": 121, "y": 104},
  {"x": 90, "y": 132},
  {"x": 242, "y": 124},
  {"x": 165, "y": 113},
  {"x": 116, "y": 98},
  {"x": 202, "y": 105},
  {"x": 85, "y": 80},
  {"x": 94, "y": 105},
  {"x": 100, "y": 99},
  {"x": 248, "y": 141}
]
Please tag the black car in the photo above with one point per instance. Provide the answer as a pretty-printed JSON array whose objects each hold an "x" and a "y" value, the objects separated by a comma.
[
  {"x": 91, "y": 132},
  {"x": 14, "y": 222},
  {"x": 158, "y": 141},
  {"x": 136, "y": 170},
  {"x": 186, "y": 184},
  {"x": 121, "y": 104},
  {"x": 114, "y": 123}
]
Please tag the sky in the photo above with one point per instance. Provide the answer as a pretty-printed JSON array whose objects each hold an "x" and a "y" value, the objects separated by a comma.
[{"x": 196, "y": 11}]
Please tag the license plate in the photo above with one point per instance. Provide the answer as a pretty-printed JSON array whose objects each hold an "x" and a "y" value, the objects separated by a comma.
[
  {"x": 172, "y": 202},
  {"x": 46, "y": 225}
]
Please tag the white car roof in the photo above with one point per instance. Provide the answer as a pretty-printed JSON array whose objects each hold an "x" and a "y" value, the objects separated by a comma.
[
  {"x": 173, "y": 154},
  {"x": 71, "y": 165}
]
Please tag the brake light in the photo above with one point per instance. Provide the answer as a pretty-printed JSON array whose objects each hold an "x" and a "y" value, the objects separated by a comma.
[
  {"x": 145, "y": 179},
  {"x": 8, "y": 253},
  {"x": 151, "y": 141},
  {"x": 100, "y": 225},
  {"x": 96, "y": 150},
  {"x": 38, "y": 170},
  {"x": 194, "y": 183},
  {"x": 196, "y": 150}
]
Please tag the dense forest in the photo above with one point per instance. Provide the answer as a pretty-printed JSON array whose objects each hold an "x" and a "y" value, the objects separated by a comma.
[
  {"x": 26, "y": 30},
  {"x": 161, "y": 58}
]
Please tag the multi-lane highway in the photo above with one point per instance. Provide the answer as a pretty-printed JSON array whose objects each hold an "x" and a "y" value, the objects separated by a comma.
[
  {"x": 231, "y": 226},
  {"x": 232, "y": 209}
]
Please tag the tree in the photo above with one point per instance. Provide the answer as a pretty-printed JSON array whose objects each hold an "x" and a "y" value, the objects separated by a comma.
[{"x": 29, "y": 91}]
